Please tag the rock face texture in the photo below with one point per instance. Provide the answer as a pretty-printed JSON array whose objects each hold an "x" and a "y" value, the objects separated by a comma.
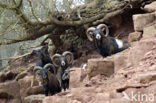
[
  {"x": 125, "y": 77},
  {"x": 100, "y": 66},
  {"x": 142, "y": 20},
  {"x": 149, "y": 31},
  {"x": 9, "y": 91},
  {"x": 135, "y": 36},
  {"x": 150, "y": 7}
]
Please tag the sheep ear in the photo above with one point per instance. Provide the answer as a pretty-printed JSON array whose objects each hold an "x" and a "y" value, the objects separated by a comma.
[
  {"x": 69, "y": 56},
  {"x": 55, "y": 60}
]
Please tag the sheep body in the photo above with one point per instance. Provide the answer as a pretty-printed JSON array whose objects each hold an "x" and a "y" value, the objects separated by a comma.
[
  {"x": 53, "y": 85},
  {"x": 48, "y": 79},
  {"x": 111, "y": 46},
  {"x": 105, "y": 44},
  {"x": 64, "y": 65},
  {"x": 43, "y": 55}
]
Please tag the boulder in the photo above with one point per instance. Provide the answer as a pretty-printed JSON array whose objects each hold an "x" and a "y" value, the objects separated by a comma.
[
  {"x": 9, "y": 75},
  {"x": 25, "y": 85},
  {"x": 150, "y": 7},
  {"x": 75, "y": 77},
  {"x": 34, "y": 99},
  {"x": 100, "y": 66},
  {"x": 142, "y": 20},
  {"x": 121, "y": 60},
  {"x": 35, "y": 90},
  {"x": 149, "y": 31},
  {"x": 21, "y": 75},
  {"x": 141, "y": 48},
  {"x": 135, "y": 36},
  {"x": 10, "y": 91}
]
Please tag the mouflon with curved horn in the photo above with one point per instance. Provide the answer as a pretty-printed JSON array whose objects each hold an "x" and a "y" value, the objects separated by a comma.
[
  {"x": 64, "y": 62},
  {"x": 105, "y": 44}
]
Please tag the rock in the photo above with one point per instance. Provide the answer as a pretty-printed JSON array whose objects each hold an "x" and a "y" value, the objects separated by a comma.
[
  {"x": 100, "y": 66},
  {"x": 34, "y": 99},
  {"x": 120, "y": 100},
  {"x": 141, "y": 48},
  {"x": 10, "y": 91},
  {"x": 142, "y": 20},
  {"x": 75, "y": 77},
  {"x": 2, "y": 77},
  {"x": 150, "y": 7},
  {"x": 121, "y": 60},
  {"x": 35, "y": 90},
  {"x": 21, "y": 75},
  {"x": 149, "y": 31},
  {"x": 135, "y": 36},
  {"x": 56, "y": 100},
  {"x": 7, "y": 76},
  {"x": 25, "y": 85},
  {"x": 3, "y": 100},
  {"x": 148, "y": 77}
]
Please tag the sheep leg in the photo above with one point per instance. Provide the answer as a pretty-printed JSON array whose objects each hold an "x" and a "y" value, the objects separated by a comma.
[
  {"x": 63, "y": 85},
  {"x": 67, "y": 82},
  {"x": 46, "y": 89},
  {"x": 52, "y": 92}
]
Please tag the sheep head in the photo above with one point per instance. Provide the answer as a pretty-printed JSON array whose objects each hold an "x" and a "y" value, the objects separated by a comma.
[
  {"x": 43, "y": 72},
  {"x": 42, "y": 52},
  {"x": 97, "y": 33},
  {"x": 63, "y": 60}
]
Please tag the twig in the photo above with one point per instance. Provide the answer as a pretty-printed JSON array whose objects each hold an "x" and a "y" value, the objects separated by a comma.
[{"x": 32, "y": 10}]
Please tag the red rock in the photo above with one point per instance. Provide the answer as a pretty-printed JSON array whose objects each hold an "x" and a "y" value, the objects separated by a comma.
[
  {"x": 100, "y": 66},
  {"x": 10, "y": 91},
  {"x": 142, "y": 20},
  {"x": 150, "y": 7},
  {"x": 149, "y": 31},
  {"x": 135, "y": 36},
  {"x": 34, "y": 99}
]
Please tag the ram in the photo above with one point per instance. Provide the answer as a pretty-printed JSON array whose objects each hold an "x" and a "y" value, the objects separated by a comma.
[
  {"x": 64, "y": 62},
  {"x": 48, "y": 79},
  {"x": 105, "y": 44}
]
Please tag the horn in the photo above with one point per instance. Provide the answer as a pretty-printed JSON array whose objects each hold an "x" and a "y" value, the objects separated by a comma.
[
  {"x": 50, "y": 66},
  {"x": 103, "y": 27},
  {"x": 66, "y": 53},
  {"x": 36, "y": 68},
  {"x": 54, "y": 59},
  {"x": 89, "y": 31}
]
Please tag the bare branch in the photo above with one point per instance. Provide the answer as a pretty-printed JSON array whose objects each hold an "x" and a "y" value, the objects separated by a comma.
[{"x": 32, "y": 10}]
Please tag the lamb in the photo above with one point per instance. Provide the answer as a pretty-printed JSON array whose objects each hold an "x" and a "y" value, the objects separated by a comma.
[{"x": 105, "y": 44}]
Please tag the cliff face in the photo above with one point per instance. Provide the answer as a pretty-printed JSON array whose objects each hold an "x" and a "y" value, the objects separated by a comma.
[{"x": 125, "y": 77}]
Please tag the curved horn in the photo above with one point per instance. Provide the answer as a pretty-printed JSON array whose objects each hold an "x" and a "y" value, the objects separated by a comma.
[
  {"x": 50, "y": 66},
  {"x": 36, "y": 68},
  {"x": 55, "y": 59},
  {"x": 103, "y": 27},
  {"x": 89, "y": 33},
  {"x": 68, "y": 53}
]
